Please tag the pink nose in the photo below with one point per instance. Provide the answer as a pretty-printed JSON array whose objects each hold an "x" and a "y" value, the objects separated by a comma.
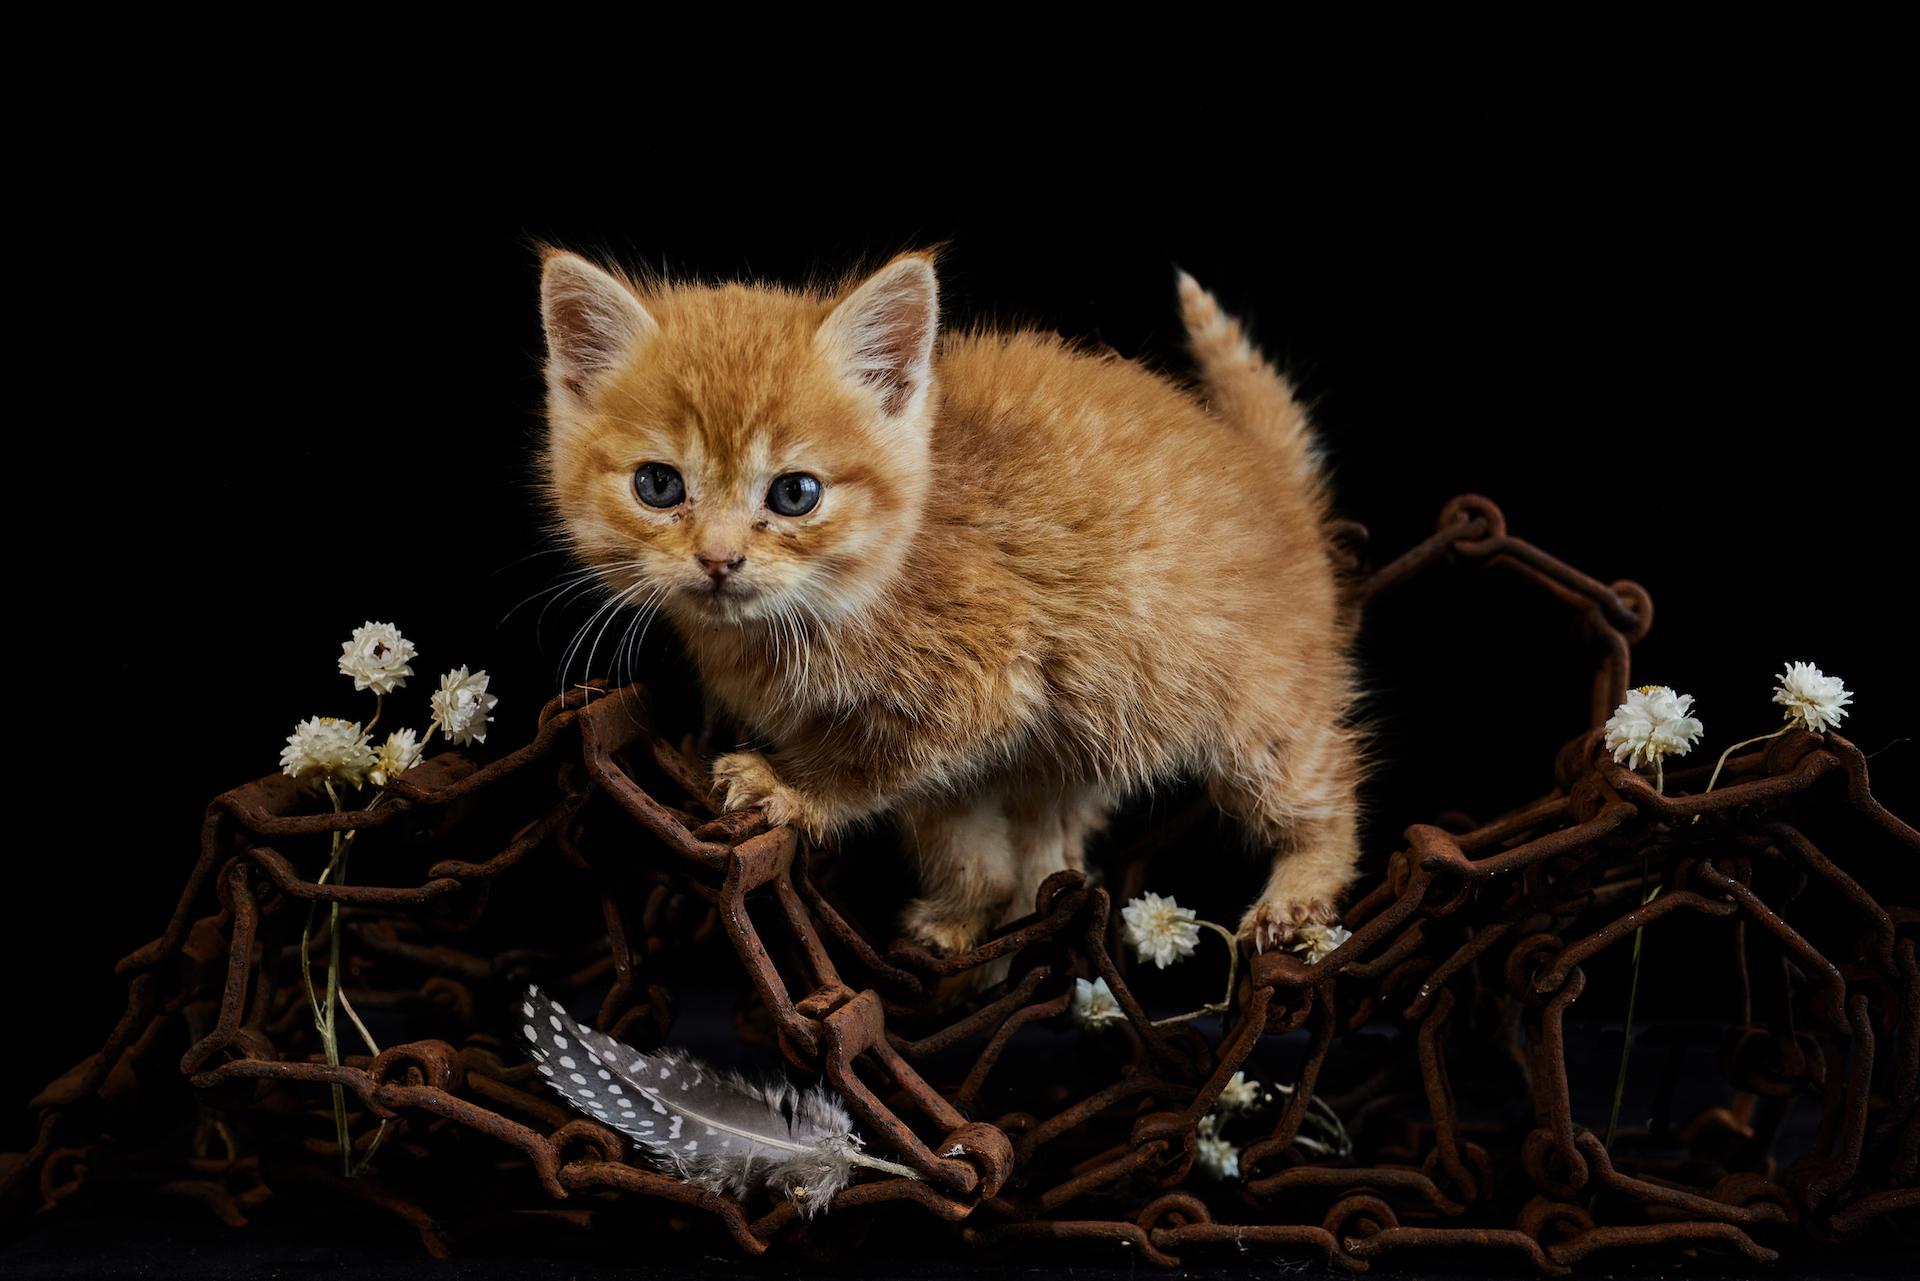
[{"x": 719, "y": 566}]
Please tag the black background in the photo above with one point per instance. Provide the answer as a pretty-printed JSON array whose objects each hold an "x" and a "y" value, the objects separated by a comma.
[{"x": 280, "y": 396}]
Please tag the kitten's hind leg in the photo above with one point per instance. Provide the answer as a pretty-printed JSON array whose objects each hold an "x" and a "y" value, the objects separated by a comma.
[
  {"x": 967, "y": 873},
  {"x": 1049, "y": 826},
  {"x": 1046, "y": 824},
  {"x": 1298, "y": 797}
]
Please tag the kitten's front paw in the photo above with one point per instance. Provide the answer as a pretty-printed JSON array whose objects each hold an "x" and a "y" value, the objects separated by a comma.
[
  {"x": 1275, "y": 923},
  {"x": 744, "y": 780}
]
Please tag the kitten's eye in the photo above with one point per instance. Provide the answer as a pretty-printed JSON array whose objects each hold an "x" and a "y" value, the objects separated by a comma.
[
  {"x": 659, "y": 485},
  {"x": 794, "y": 494}
]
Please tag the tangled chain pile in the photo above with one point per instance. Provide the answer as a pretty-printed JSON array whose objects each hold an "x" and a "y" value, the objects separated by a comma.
[{"x": 1464, "y": 958}]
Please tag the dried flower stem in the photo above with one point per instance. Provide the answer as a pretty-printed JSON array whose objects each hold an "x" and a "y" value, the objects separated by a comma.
[
  {"x": 324, "y": 1020},
  {"x": 323, "y": 1014},
  {"x": 1633, "y": 984},
  {"x": 332, "y": 1039},
  {"x": 353, "y": 1016},
  {"x": 1321, "y": 1117},
  {"x": 1233, "y": 973},
  {"x": 1721, "y": 764},
  {"x": 1633, "y": 991},
  {"x": 1329, "y": 1124}
]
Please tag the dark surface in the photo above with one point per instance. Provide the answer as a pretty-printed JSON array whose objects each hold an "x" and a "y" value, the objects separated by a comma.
[
  {"x": 164, "y": 1248},
  {"x": 298, "y": 1233},
  {"x": 1659, "y": 345},
  {"x": 173, "y": 1248}
]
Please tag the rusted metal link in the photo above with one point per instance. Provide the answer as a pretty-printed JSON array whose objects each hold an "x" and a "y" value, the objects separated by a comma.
[{"x": 1465, "y": 960}]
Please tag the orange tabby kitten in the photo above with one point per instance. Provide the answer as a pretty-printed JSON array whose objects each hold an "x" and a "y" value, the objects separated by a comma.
[{"x": 983, "y": 583}]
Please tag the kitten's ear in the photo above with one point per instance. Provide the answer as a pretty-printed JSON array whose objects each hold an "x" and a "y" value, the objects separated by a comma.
[
  {"x": 882, "y": 334},
  {"x": 593, "y": 322}
]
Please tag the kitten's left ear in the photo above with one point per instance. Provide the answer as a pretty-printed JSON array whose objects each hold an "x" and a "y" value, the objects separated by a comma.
[
  {"x": 593, "y": 322},
  {"x": 882, "y": 334}
]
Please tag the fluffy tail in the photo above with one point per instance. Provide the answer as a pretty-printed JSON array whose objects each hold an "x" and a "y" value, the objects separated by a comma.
[
  {"x": 1244, "y": 388},
  {"x": 1249, "y": 393}
]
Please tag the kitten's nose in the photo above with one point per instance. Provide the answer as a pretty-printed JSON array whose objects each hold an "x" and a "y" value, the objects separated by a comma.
[{"x": 719, "y": 565}]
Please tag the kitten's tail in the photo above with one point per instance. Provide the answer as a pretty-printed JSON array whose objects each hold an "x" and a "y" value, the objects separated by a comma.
[{"x": 1244, "y": 388}]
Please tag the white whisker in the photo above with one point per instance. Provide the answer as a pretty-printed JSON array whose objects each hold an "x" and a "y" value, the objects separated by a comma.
[
  {"x": 572, "y": 580},
  {"x": 619, "y": 602},
  {"x": 642, "y": 618},
  {"x": 605, "y": 611},
  {"x": 521, "y": 560}
]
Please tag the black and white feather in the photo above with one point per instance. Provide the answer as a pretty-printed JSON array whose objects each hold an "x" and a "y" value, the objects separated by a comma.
[{"x": 709, "y": 1126}]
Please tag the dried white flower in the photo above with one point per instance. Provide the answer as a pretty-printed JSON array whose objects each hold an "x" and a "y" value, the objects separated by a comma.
[
  {"x": 1159, "y": 929},
  {"x": 461, "y": 706},
  {"x": 1652, "y": 723},
  {"x": 400, "y": 753},
  {"x": 326, "y": 747},
  {"x": 1214, "y": 1154},
  {"x": 1816, "y": 701},
  {"x": 1094, "y": 1004},
  {"x": 1240, "y": 1094},
  {"x": 376, "y": 656},
  {"x": 1314, "y": 941}
]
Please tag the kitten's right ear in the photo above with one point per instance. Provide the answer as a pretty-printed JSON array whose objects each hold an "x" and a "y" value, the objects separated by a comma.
[{"x": 594, "y": 323}]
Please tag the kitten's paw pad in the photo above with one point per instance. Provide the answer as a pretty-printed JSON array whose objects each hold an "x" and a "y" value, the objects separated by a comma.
[
  {"x": 1274, "y": 924},
  {"x": 745, "y": 780},
  {"x": 940, "y": 931}
]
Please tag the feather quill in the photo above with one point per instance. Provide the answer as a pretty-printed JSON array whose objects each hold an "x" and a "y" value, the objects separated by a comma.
[{"x": 711, "y": 1127}]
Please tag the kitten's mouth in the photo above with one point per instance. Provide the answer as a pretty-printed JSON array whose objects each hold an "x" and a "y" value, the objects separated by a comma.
[{"x": 723, "y": 596}]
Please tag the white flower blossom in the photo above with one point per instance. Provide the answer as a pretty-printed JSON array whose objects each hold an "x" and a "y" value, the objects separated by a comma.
[
  {"x": 1816, "y": 701},
  {"x": 1214, "y": 1154},
  {"x": 376, "y": 656},
  {"x": 1314, "y": 941},
  {"x": 1652, "y": 723},
  {"x": 1239, "y": 1094},
  {"x": 400, "y": 753},
  {"x": 461, "y": 706},
  {"x": 326, "y": 747},
  {"x": 1094, "y": 1004},
  {"x": 1159, "y": 929}
]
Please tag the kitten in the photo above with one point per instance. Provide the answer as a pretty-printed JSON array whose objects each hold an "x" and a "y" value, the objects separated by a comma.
[{"x": 983, "y": 583}]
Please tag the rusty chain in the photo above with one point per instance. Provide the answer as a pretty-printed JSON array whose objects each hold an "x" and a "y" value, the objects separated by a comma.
[{"x": 1473, "y": 927}]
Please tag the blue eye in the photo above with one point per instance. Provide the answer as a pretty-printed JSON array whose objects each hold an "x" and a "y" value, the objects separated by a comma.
[
  {"x": 659, "y": 485},
  {"x": 794, "y": 494}
]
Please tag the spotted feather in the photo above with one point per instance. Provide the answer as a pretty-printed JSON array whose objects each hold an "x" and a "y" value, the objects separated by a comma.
[{"x": 711, "y": 1127}]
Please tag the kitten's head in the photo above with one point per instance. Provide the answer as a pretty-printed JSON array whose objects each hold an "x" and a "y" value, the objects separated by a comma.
[{"x": 736, "y": 452}]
